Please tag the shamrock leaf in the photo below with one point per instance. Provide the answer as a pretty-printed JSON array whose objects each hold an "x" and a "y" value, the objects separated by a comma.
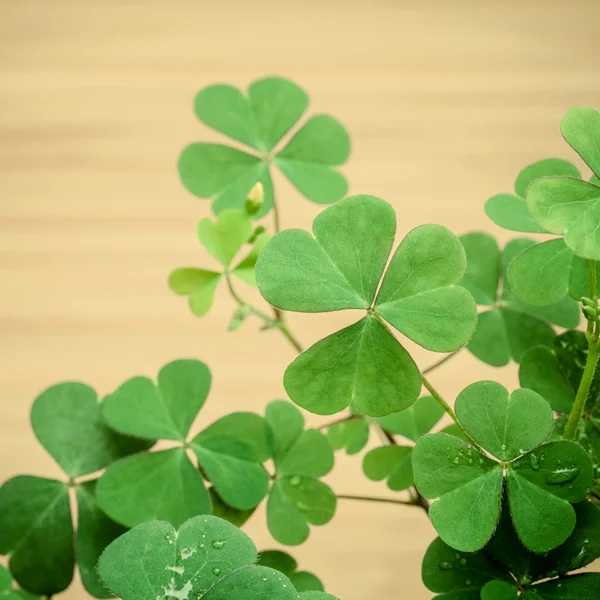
[
  {"x": 570, "y": 207},
  {"x": 504, "y": 563},
  {"x": 284, "y": 563},
  {"x": 220, "y": 509},
  {"x": 8, "y": 592},
  {"x": 223, "y": 238},
  {"x": 510, "y": 210},
  {"x": 208, "y": 559},
  {"x": 414, "y": 422},
  {"x": 542, "y": 480},
  {"x": 260, "y": 119},
  {"x": 352, "y": 435},
  {"x": 297, "y": 497},
  {"x": 35, "y": 516},
  {"x": 581, "y": 129},
  {"x": 509, "y": 326},
  {"x": 340, "y": 268},
  {"x": 392, "y": 463},
  {"x": 165, "y": 484}
]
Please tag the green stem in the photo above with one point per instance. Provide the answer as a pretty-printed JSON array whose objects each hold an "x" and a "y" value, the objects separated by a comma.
[
  {"x": 584, "y": 388},
  {"x": 448, "y": 409},
  {"x": 373, "y": 499},
  {"x": 440, "y": 362},
  {"x": 276, "y": 223},
  {"x": 277, "y": 323}
]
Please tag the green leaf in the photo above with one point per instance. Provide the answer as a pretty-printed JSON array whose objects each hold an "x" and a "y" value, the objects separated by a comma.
[
  {"x": 199, "y": 284},
  {"x": 581, "y": 129},
  {"x": 245, "y": 269},
  {"x": 287, "y": 424},
  {"x": 36, "y": 530},
  {"x": 510, "y": 212},
  {"x": 498, "y": 590},
  {"x": 504, "y": 334},
  {"x": 278, "y": 104},
  {"x": 417, "y": 295},
  {"x": 483, "y": 267},
  {"x": 579, "y": 279},
  {"x": 549, "y": 167},
  {"x": 570, "y": 207},
  {"x": 414, "y": 422},
  {"x": 576, "y": 587},
  {"x": 505, "y": 425},
  {"x": 310, "y": 455},
  {"x": 352, "y": 435},
  {"x": 293, "y": 503},
  {"x": 541, "y": 487},
  {"x": 230, "y": 452},
  {"x": 362, "y": 364},
  {"x": 308, "y": 159},
  {"x": 165, "y": 410},
  {"x": 224, "y": 108},
  {"x": 457, "y": 575},
  {"x": 8, "y": 592},
  {"x": 224, "y": 236},
  {"x": 208, "y": 558},
  {"x": 541, "y": 274},
  {"x": 284, "y": 563},
  {"x": 159, "y": 485},
  {"x": 392, "y": 463},
  {"x": 540, "y": 372},
  {"x": 95, "y": 531},
  {"x": 330, "y": 271},
  {"x": 468, "y": 485},
  {"x": 223, "y": 511},
  {"x": 67, "y": 420}
]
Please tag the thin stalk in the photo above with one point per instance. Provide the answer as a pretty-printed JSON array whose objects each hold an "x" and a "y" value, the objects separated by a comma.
[
  {"x": 440, "y": 362},
  {"x": 276, "y": 222},
  {"x": 584, "y": 388},
  {"x": 337, "y": 422},
  {"x": 374, "y": 499},
  {"x": 448, "y": 409}
]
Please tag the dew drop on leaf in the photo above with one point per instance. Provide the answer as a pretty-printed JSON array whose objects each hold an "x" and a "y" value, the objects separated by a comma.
[
  {"x": 463, "y": 561},
  {"x": 562, "y": 476},
  {"x": 445, "y": 566},
  {"x": 534, "y": 462},
  {"x": 218, "y": 544},
  {"x": 295, "y": 481},
  {"x": 216, "y": 571}
]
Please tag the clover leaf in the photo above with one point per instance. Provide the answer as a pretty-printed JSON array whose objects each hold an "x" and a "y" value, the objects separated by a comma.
[
  {"x": 223, "y": 238},
  {"x": 555, "y": 373},
  {"x": 414, "y": 422},
  {"x": 341, "y": 268},
  {"x": 497, "y": 570},
  {"x": 7, "y": 589},
  {"x": 207, "y": 558},
  {"x": 510, "y": 210},
  {"x": 260, "y": 119},
  {"x": 352, "y": 435},
  {"x": 303, "y": 581},
  {"x": 507, "y": 326},
  {"x": 297, "y": 497},
  {"x": 542, "y": 481},
  {"x": 392, "y": 463},
  {"x": 36, "y": 526},
  {"x": 165, "y": 484}
]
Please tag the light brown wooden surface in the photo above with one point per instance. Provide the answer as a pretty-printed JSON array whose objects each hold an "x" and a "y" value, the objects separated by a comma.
[{"x": 445, "y": 101}]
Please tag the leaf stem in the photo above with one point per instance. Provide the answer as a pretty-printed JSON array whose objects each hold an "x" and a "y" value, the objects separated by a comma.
[
  {"x": 277, "y": 323},
  {"x": 374, "y": 499},
  {"x": 276, "y": 222},
  {"x": 448, "y": 409},
  {"x": 440, "y": 362},
  {"x": 337, "y": 422},
  {"x": 584, "y": 388}
]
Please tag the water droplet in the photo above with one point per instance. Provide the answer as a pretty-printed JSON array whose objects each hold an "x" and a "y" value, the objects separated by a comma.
[
  {"x": 218, "y": 544},
  {"x": 457, "y": 555},
  {"x": 187, "y": 552},
  {"x": 463, "y": 561},
  {"x": 525, "y": 579},
  {"x": 303, "y": 506},
  {"x": 469, "y": 452},
  {"x": 534, "y": 462},
  {"x": 216, "y": 571},
  {"x": 562, "y": 476},
  {"x": 455, "y": 461},
  {"x": 176, "y": 569},
  {"x": 468, "y": 582},
  {"x": 445, "y": 566},
  {"x": 295, "y": 481},
  {"x": 201, "y": 546},
  {"x": 543, "y": 457},
  {"x": 503, "y": 447},
  {"x": 586, "y": 541},
  {"x": 470, "y": 461},
  {"x": 481, "y": 461},
  {"x": 264, "y": 578}
]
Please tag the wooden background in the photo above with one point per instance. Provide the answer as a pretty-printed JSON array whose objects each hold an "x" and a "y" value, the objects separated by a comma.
[{"x": 445, "y": 102}]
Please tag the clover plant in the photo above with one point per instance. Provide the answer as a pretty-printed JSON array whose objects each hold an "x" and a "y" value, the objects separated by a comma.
[{"x": 510, "y": 479}]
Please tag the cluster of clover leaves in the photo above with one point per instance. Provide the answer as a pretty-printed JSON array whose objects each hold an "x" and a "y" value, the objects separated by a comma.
[{"x": 511, "y": 485}]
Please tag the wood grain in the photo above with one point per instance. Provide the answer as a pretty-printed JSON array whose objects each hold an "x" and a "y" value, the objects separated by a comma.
[{"x": 445, "y": 102}]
